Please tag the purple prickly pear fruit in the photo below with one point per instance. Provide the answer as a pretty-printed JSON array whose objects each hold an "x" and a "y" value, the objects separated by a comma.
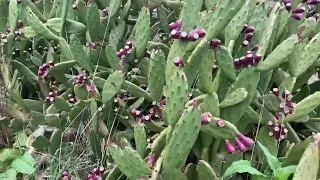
[
  {"x": 287, "y": 1},
  {"x": 201, "y": 32},
  {"x": 152, "y": 160},
  {"x": 288, "y": 6},
  {"x": 52, "y": 99},
  {"x": 245, "y": 43},
  {"x": 291, "y": 104},
  {"x": 175, "y": 34},
  {"x": 244, "y": 28},
  {"x": 51, "y": 63},
  {"x": 221, "y": 123},
  {"x": 237, "y": 63},
  {"x": 89, "y": 88},
  {"x": 183, "y": 35},
  {"x": 130, "y": 44},
  {"x": 147, "y": 117},
  {"x": 313, "y": 2},
  {"x": 19, "y": 24},
  {"x": 206, "y": 118},
  {"x": 286, "y": 95},
  {"x": 297, "y": 16},
  {"x": 193, "y": 36},
  {"x": 270, "y": 123},
  {"x": 279, "y": 116},
  {"x": 90, "y": 176},
  {"x": 173, "y": 26},
  {"x": 248, "y": 36},
  {"x": 105, "y": 12},
  {"x": 230, "y": 147},
  {"x": 119, "y": 54},
  {"x": 255, "y": 48},
  {"x": 179, "y": 23},
  {"x": 215, "y": 43},
  {"x": 243, "y": 61},
  {"x": 74, "y": 6},
  {"x": 178, "y": 62},
  {"x": 298, "y": 10},
  {"x": 214, "y": 68},
  {"x": 240, "y": 145},
  {"x": 250, "y": 29},
  {"x": 246, "y": 140},
  {"x": 249, "y": 59},
  {"x": 257, "y": 58}
]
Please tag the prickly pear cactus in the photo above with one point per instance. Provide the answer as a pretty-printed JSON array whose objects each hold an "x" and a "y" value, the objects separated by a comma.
[{"x": 140, "y": 89}]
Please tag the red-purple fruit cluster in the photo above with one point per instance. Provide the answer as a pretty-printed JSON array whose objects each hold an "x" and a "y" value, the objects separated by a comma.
[
  {"x": 287, "y": 107},
  {"x": 72, "y": 99},
  {"x": 96, "y": 174},
  {"x": 51, "y": 97},
  {"x": 43, "y": 71},
  {"x": 178, "y": 61},
  {"x": 248, "y": 33},
  {"x": 66, "y": 175},
  {"x": 242, "y": 143},
  {"x": 154, "y": 112},
  {"x": 176, "y": 33},
  {"x": 152, "y": 159},
  {"x": 206, "y": 118},
  {"x": 246, "y": 61},
  {"x": 124, "y": 52},
  {"x": 95, "y": 44},
  {"x": 215, "y": 43}
]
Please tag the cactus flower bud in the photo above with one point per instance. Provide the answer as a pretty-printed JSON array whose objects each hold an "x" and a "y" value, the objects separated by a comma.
[
  {"x": 230, "y": 147},
  {"x": 215, "y": 43},
  {"x": 299, "y": 10},
  {"x": 178, "y": 62},
  {"x": 206, "y": 118},
  {"x": 246, "y": 140},
  {"x": 240, "y": 145},
  {"x": 297, "y": 16},
  {"x": 221, "y": 123}
]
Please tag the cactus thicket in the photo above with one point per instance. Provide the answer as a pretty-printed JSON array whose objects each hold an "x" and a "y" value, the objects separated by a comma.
[{"x": 159, "y": 89}]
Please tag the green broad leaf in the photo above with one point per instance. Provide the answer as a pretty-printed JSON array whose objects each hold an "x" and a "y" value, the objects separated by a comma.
[
  {"x": 25, "y": 164},
  {"x": 9, "y": 174},
  {"x": 9, "y": 155},
  {"x": 21, "y": 139},
  {"x": 241, "y": 166},
  {"x": 273, "y": 161},
  {"x": 285, "y": 172}
]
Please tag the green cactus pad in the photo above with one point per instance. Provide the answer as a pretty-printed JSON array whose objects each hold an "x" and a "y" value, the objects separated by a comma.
[
  {"x": 247, "y": 79},
  {"x": 308, "y": 164},
  {"x": 234, "y": 98},
  {"x": 182, "y": 139},
  {"x": 72, "y": 27},
  {"x": 225, "y": 62},
  {"x": 117, "y": 33},
  {"x": 223, "y": 13},
  {"x": 136, "y": 90},
  {"x": 205, "y": 73},
  {"x": 65, "y": 50},
  {"x": 38, "y": 26},
  {"x": 13, "y": 15},
  {"x": 172, "y": 174},
  {"x": 55, "y": 142},
  {"x": 189, "y": 14},
  {"x": 279, "y": 54},
  {"x": 122, "y": 157},
  {"x": 304, "y": 107},
  {"x": 156, "y": 78},
  {"x": 308, "y": 56},
  {"x": 176, "y": 93},
  {"x": 205, "y": 171},
  {"x": 62, "y": 104},
  {"x": 112, "y": 86},
  {"x": 37, "y": 118},
  {"x": 228, "y": 131},
  {"x": 93, "y": 21},
  {"x": 142, "y": 32},
  {"x": 113, "y": 60},
  {"x": 140, "y": 137},
  {"x": 79, "y": 54},
  {"x": 24, "y": 70},
  {"x": 235, "y": 26},
  {"x": 159, "y": 143},
  {"x": 4, "y": 12},
  {"x": 94, "y": 114}
]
